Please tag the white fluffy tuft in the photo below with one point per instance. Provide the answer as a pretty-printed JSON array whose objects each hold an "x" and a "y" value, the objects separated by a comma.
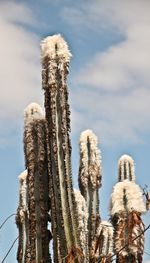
[
  {"x": 108, "y": 232},
  {"x": 52, "y": 45},
  {"x": 105, "y": 230},
  {"x": 130, "y": 192},
  {"x": 33, "y": 112},
  {"x": 95, "y": 157},
  {"x": 22, "y": 176},
  {"x": 23, "y": 195}
]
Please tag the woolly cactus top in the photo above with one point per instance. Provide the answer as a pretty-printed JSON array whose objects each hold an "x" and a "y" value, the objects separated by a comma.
[
  {"x": 55, "y": 45},
  {"x": 82, "y": 208},
  {"x": 88, "y": 133},
  {"x": 106, "y": 229},
  {"x": 22, "y": 176},
  {"x": 126, "y": 168},
  {"x": 127, "y": 197},
  {"x": 95, "y": 152},
  {"x": 86, "y": 137},
  {"x": 33, "y": 112},
  {"x": 108, "y": 225}
]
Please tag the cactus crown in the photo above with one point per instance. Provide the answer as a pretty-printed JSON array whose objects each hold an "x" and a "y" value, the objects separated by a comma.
[
  {"x": 126, "y": 168},
  {"x": 22, "y": 176},
  {"x": 33, "y": 112},
  {"x": 54, "y": 46},
  {"x": 127, "y": 196},
  {"x": 90, "y": 160}
]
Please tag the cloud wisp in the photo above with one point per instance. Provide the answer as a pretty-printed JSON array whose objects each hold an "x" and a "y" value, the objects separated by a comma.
[{"x": 19, "y": 52}]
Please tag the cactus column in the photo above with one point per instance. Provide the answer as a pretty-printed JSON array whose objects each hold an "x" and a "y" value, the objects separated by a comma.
[
  {"x": 103, "y": 242},
  {"x": 37, "y": 181},
  {"x": 55, "y": 61},
  {"x": 127, "y": 205},
  {"x": 90, "y": 181},
  {"x": 22, "y": 218}
]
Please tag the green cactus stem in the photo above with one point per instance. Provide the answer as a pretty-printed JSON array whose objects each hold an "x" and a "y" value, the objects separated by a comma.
[
  {"x": 37, "y": 180},
  {"x": 90, "y": 179},
  {"x": 55, "y": 61},
  {"x": 126, "y": 168},
  {"x": 127, "y": 205}
]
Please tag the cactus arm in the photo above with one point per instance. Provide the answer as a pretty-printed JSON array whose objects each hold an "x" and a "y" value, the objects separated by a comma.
[
  {"x": 126, "y": 201},
  {"x": 102, "y": 245},
  {"x": 35, "y": 156},
  {"x": 41, "y": 193},
  {"x": 53, "y": 200},
  {"x": 127, "y": 205},
  {"x": 82, "y": 212},
  {"x": 56, "y": 178},
  {"x": 22, "y": 218},
  {"x": 90, "y": 179},
  {"x": 55, "y": 59}
]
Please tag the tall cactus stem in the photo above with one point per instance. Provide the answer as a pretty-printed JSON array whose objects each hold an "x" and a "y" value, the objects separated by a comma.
[
  {"x": 102, "y": 245},
  {"x": 22, "y": 218},
  {"x": 55, "y": 61},
  {"x": 127, "y": 205},
  {"x": 90, "y": 179},
  {"x": 82, "y": 212},
  {"x": 36, "y": 158}
]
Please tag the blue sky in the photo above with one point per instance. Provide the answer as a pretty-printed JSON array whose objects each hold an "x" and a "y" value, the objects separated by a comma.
[{"x": 109, "y": 85}]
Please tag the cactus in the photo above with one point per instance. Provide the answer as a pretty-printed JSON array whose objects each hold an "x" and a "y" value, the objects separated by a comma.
[
  {"x": 46, "y": 188},
  {"x": 102, "y": 245},
  {"x": 55, "y": 61},
  {"x": 22, "y": 218},
  {"x": 126, "y": 168},
  {"x": 36, "y": 247},
  {"x": 90, "y": 180},
  {"x": 126, "y": 208},
  {"x": 82, "y": 212}
]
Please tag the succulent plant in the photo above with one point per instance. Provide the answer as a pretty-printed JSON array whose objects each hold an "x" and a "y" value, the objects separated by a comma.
[
  {"x": 127, "y": 205},
  {"x": 90, "y": 173},
  {"x": 49, "y": 206},
  {"x": 34, "y": 190}
]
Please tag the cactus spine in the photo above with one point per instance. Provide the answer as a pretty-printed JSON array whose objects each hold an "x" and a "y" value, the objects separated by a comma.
[{"x": 46, "y": 190}]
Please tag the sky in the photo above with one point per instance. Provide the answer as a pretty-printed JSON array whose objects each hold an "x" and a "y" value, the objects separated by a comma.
[{"x": 109, "y": 88}]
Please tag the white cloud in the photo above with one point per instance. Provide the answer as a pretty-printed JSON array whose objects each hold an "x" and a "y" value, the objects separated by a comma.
[
  {"x": 116, "y": 101},
  {"x": 19, "y": 63},
  {"x": 124, "y": 65},
  {"x": 114, "y": 117},
  {"x": 101, "y": 15}
]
